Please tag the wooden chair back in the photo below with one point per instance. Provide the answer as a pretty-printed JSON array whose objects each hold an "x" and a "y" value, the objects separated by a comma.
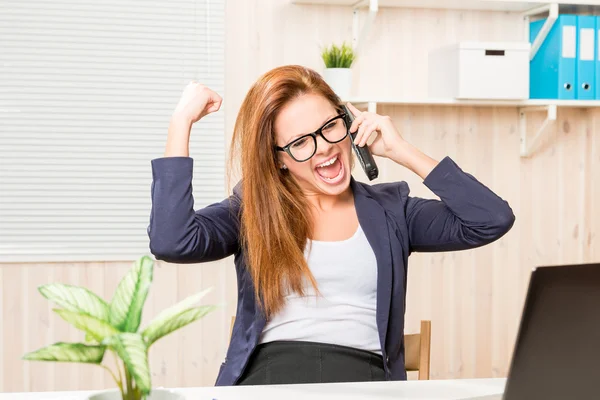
[{"x": 417, "y": 350}]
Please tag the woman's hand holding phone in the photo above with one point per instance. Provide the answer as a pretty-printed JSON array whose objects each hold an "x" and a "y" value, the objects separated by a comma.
[
  {"x": 388, "y": 142},
  {"x": 387, "y": 136}
]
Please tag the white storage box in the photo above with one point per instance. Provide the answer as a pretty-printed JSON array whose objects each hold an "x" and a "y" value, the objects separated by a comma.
[{"x": 480, "y": 70}]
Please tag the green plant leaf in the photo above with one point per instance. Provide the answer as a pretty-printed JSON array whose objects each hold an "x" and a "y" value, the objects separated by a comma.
[
  {"x": 338, "y": 56},
  {"x": 94, "y": 327},
  {"x": 125, "y": 311},
  {"x": 131, "y": 348},
  {"x": 174, "y": 310},
  {"x": 68, "y": 352},
  {"x": 74, "y": 298},
  {"x": 163, "y": 327}
]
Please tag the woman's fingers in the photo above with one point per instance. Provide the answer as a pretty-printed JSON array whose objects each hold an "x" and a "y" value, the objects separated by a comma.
[
  {"x": 354, "y": 110},
  {"x": 215, "y": 104},
  {"x": 358, "y": 117},
  {"x": 365, "y": 122},
  {"x": 365, "y": 129},
  {"x": 359, "y": 131},
  {"x": 356, "y": 123},
  {"x": 197, "y": 101},
  {"x": 372, "y": 127},
  {"x": 363, "y": 132}
]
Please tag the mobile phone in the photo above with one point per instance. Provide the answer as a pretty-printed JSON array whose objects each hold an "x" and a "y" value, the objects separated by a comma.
[{"x": 365, "y": 158}]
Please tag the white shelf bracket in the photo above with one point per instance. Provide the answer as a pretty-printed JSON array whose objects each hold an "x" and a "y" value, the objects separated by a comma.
[
  {"x": 552, "y": 9},
  {"x": 372, "y": 107},
  {"x": 360, "y": 35},
  {"x": 527, "y": 148}
]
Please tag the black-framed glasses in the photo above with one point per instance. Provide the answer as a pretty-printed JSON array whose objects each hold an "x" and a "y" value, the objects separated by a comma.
[{"x": 304, "y": 147}]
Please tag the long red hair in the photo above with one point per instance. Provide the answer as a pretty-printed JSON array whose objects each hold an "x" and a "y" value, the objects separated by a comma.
[{"x": 275, "y": 217}]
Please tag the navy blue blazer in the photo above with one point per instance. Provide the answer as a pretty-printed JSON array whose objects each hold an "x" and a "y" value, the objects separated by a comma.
[{"x": 469, "y": 215}]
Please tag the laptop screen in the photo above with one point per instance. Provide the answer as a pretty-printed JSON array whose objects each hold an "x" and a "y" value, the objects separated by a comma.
[{"x": 557, "y": 352}]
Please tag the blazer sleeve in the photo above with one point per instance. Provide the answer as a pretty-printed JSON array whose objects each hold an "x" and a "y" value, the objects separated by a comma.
[
  {"x": 179, "y": 234},
  {"x": 468, "y": 214}
]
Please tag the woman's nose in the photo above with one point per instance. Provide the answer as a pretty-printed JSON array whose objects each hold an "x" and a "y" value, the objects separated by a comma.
[{"x": 323, "y": 145}]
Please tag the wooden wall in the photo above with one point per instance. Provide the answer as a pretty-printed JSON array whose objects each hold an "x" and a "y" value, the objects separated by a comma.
[
  {"x": 473, "y": 298},
  {"x": 189, "y": 357}
]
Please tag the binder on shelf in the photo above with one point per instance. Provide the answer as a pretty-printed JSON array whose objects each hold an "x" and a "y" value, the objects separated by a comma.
[
  {"x": 553, "y": 69},
  {"x": 586, "y": 56},
  {"x": 597, "y": 58}
]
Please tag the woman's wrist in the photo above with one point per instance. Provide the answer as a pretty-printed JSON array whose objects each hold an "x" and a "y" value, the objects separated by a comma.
[
  {"x": 181, "y": 118},
  {"x": 178, "y": 137},
  {"x": 412, "y": 158}
]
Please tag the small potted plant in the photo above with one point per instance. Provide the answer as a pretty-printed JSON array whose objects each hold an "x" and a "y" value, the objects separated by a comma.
[
  {"x": 338, "y": 73},
  {"x": 113, "y": 327}
]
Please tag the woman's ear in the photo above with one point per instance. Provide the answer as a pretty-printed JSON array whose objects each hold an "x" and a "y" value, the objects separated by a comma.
[{"x": 281, "y": 163}]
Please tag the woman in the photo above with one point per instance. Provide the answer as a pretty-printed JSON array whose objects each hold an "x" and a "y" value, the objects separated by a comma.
[{"x": 321, "y": 258}]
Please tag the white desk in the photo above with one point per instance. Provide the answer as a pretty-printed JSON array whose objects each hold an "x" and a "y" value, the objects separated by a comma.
[{"x": 408, "y": 390}]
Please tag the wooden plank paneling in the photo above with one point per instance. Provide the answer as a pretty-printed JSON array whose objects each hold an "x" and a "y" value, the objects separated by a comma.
[
  {"x": 189, "y": 281},
  {"x": 27, "y": 323},
  {"x": 12, "y": 324},
  {"x": 506, "y": 253},
  {"x": 37, "y": 328},
  {"x": 593, "y": 185},
  {"x": 2, "y": 361},
  {"x": 163, "y": 363},
  {"x": 92, "y": 277}
]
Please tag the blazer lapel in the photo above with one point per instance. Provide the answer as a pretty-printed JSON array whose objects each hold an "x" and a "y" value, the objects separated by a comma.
[{"x": 373, "y": 221}]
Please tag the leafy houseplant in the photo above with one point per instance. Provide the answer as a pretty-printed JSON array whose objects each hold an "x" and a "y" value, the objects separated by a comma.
[
  {"x": 338, "y": 61},
  {"x": 338, "y": 56},
  {"x": 114, "y": 327}
]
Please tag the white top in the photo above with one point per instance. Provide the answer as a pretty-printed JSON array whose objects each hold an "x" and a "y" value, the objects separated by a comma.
[{"x": 345, "y": 311}]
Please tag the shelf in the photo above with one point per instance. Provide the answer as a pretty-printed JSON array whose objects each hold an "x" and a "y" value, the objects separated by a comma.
[
  {"x": 492, "y": 5},
  {"x": 527, "y": 10},
  {"x": 476, "y": 103},
  {"x": 528, "y": 146}
]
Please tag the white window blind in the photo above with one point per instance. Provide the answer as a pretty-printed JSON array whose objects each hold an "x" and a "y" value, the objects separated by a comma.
[{"x": 87, "y": 89}]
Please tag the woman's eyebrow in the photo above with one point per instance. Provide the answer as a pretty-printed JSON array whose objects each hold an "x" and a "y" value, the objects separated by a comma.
[
  {"x": 328, "y": 118},
  {"x": 302, "y": 134}
]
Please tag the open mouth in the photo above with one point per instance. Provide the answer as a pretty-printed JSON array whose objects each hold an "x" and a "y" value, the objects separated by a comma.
[{"x": 331, "y": 171}]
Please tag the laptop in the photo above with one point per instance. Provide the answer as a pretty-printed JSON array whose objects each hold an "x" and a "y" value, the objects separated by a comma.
[{"x": 557, "y": 349}]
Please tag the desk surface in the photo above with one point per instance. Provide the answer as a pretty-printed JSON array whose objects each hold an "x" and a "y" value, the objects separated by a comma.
[{"x": 408, "y": 390}]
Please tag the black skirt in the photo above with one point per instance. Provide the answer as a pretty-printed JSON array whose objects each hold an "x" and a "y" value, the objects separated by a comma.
[{"x": 290, "y": 362}]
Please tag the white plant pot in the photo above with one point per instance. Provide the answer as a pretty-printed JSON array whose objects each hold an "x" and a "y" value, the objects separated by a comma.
[
  {"x": 340, "y": 80},
  {"x": 155, "y": 394}
]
